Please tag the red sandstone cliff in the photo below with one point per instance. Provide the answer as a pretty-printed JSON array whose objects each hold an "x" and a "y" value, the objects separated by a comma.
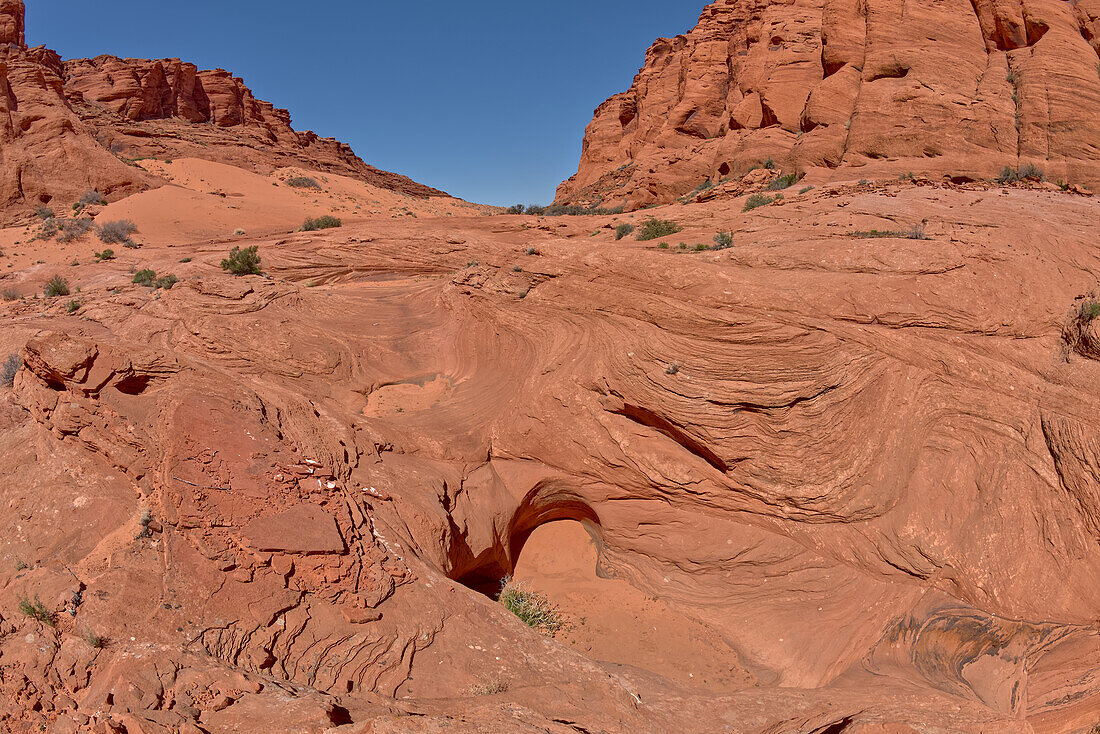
[
  {"x": 69, "y": 126},
  {"x": 864, "y": 86}
]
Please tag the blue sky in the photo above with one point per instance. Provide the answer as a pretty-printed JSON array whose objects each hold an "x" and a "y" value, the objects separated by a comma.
[{"x": 486, "y": 100}]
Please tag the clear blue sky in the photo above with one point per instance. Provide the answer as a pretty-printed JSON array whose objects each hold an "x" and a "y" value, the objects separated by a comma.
[{"x": 486, "y": 100}]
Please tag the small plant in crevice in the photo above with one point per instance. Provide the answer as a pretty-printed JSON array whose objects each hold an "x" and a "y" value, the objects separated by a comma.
[
  {"x": 166, "y": 282},
  {"x": 36, "y": 610},
  {"x": 145, "y": 521},
  {"x": 532, "y": 608},
  {"x": 243, "y": 261},
  {"x": 723, "y": 240},
  {"x": 532, "y": 251},
  {"x": 805, "y": 189},
  {"x": 94, "y": 641},
  {"x": 73, "y": 306},
  {"x": 673, "y": 368},
  {"x": 654, "y": 228},
  {"x": 56, "y": 286},
  {"x": 623, "y": 230},
  {"x": 11, "y": 367}
]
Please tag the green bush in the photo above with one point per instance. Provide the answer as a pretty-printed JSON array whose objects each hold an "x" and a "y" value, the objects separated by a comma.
[
  {"x": 623, "y": 230},
  {"x": 243, "y": 262},
  {"x": 166, "y": 282},
  {"x": 303, "y": 182},
  {"x": 723, "y": 240},
  {"x": 105, "y": 255},
  {"x": 325, "y": 222},
  {"x": 145, "y": 277},
  {"x": 654, "y": 228},
  {"x": 73, "y": 306},
  {"x": 36, "y": 610},
  {"x": 44, "y": 213},
  {"x": 783, "y": 182},
  {"x": 532, "y": 608},
  {"x": 758, "y": 200},
  {"x": 56, "y": 286}
]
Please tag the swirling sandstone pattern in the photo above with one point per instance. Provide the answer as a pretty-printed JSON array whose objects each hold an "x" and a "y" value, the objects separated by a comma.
[{"x": 873, "y": 473}]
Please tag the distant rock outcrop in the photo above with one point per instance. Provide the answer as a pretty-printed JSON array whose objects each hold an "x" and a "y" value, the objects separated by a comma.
[
  {"x": 70, "y": 126},
  {"x": 961, "y": 89}
]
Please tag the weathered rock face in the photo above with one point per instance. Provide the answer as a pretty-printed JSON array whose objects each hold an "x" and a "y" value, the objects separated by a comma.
[
  {"x": 871, "y": 476},
  {"x": 852, "y": 89},
  {"x": 170, "y": 108},
  {"x": 66, "y": 127},
  {"x": 12, "y": 14}
]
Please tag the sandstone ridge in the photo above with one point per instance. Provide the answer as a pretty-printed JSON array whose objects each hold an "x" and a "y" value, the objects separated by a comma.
[{"x": 846, "y": 89}]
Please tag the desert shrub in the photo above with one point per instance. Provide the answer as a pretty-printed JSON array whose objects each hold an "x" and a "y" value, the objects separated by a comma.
[
  {"x": 662, "y": 246},
  {"x": 532, "y": 251},
  {"x": 531, "y": 607},
  {"x": 535, "y": 209},
  {"x": 36, "y": 610},
  {"x": 515, "y": 209},
  {"x": 723, "y": 240},
  {"x": 768, "y": 164},
  {"x": 107, "y": 254},
  {"x": 73, "y": 306},
  {"x": 44, "y": 213},
  {"x": 11, "y": 366},
  {"x": 145, "y": 521},
  {"x": 48, "y": 229},
  {"x": 95, "y": 641},
  {"x": 324, "y": 222},
  {"x": 1010, "y": 175},
  {"x": 623, "y": 230},
  {"x": 783, "y": 182},
  {"x": 303, "y": 182},
  {"x": 117, "y": 232},
  {"x": 654, "y": 228},
  {"x": 673, "y": 368},
  {"x": 239, "y": 232},
  {"x": 758, "y": 200},
  {"x": 10, "y": 294},
  {"x": 243, "y": 262},
  {"x": 56, "y": 286},
  {"x": 805, "y": 189},
  {"x": 70, "y": 230},
  {"x": 166, "y": 282},
  {"x": 489, "y": 688},
  {"x": 916, "y": 232},
  {"x": 92, "y": 198},
  {"x": 145, "y": 277}
]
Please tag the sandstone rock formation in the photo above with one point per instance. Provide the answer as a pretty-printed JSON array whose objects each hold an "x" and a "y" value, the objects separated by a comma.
[
  {"x": 839, "y": 476},
  {"x": 169, "y": 108},
  {"x": 852, "y": 89},
  {"x": 67, "y": 127},
  {"x": 870, "y": 479}
]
